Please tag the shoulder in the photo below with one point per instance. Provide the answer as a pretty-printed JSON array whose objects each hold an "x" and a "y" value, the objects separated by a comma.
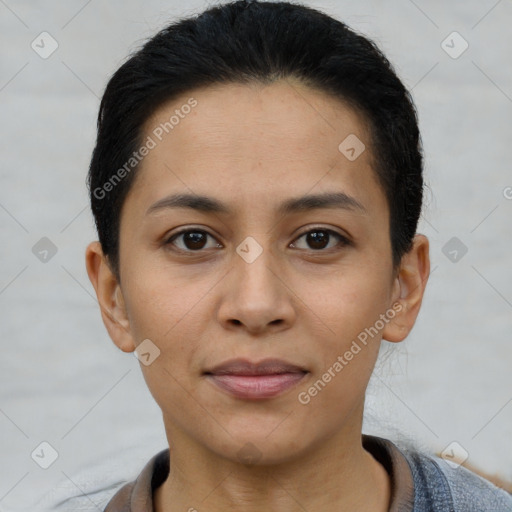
[
  {"x": 438, "y": 483},
  {"x": 138, "y": 494},
  {"x": 101, "y": 487},
  {"x": 80, "y": 496}
]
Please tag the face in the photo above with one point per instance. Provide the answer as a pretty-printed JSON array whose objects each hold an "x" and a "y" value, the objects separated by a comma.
[{"x": 240, "y": 276}]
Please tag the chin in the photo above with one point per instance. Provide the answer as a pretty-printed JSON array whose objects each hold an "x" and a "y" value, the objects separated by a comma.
[{"x": 264, "y": 448}]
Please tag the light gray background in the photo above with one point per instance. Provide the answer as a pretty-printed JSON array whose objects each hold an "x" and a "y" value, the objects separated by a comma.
[{"x": 62, "y": 379}]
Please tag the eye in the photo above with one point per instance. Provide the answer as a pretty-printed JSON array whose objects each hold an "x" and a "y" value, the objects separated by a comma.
[
  {"x": 319, "y": 238},
  {"x": 193, "y": 240}
]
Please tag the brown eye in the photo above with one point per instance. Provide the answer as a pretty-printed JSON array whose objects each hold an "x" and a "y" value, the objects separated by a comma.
[
  {"x": 319, "y": 239},
  {"x": 191, "y": 240}
]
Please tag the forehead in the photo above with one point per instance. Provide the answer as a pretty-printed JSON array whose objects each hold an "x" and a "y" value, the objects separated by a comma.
[
  {"x": 232, "y": 118},
  {"x": 242, "y": 141}
]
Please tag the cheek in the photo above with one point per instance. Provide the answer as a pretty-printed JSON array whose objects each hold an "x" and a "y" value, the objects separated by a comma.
[
  {"x": 350, "y": 301},
  {"x": 167, "y": 313},
  {"x": 157, "y": 303},
  {"x": 350, "y": 309},
  {"x": 168, "y": 309}
]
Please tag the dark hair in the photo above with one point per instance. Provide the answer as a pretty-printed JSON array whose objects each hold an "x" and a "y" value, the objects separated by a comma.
[{"x": 249, "y": 41}]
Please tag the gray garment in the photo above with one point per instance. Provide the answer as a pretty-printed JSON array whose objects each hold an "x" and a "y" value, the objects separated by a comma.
[
  {"x": 420, "y": 483},
  {"x": 440, "y": 487}
]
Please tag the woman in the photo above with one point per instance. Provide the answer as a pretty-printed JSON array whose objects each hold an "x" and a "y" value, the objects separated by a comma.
[{"x": 256, "y": 186}]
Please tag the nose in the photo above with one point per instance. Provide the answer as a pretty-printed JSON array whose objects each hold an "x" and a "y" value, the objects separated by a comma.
[{"x": 255, "y": 295}]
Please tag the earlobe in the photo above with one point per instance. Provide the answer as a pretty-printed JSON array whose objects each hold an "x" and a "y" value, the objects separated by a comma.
[
  {"x": 409, "y": 288},
  {"x": 110, "y": 297}
]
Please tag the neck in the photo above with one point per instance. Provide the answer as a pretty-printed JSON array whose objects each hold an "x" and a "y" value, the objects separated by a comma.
[{"x": 336, "y": 475}]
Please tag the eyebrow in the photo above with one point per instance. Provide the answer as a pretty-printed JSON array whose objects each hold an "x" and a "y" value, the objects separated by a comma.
[{"x": 208, "y": 204}]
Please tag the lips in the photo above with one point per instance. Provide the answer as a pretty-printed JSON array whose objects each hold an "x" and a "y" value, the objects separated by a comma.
[
  {"x": 249, "y": 380},
  {"x": 246, "y": 367}
]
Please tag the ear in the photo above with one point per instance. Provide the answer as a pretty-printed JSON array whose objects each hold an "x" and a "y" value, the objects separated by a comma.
[
  {"x": 409, "y": 287},
  {"x": 110, "y": 297}
]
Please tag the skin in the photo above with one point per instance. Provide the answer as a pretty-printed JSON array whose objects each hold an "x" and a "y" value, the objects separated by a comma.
[{"x": 252, "y": 147}]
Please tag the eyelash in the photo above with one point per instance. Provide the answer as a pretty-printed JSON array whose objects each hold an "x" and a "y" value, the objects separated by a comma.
[{"x": 343, "y": 241}]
